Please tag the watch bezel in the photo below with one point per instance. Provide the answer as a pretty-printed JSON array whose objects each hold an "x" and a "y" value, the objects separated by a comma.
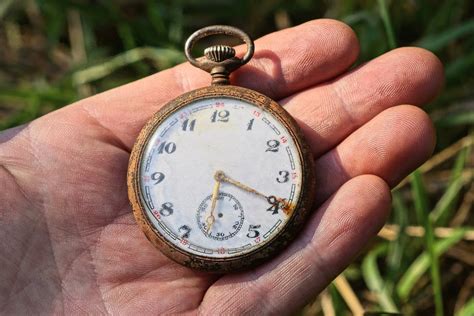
[{"x": 269, "y": 249}]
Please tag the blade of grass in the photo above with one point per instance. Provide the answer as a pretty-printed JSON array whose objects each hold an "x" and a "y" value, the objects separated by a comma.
[
  {"x": 165, "y": 56},
  {"x": 397, "y": 248},
  {"x": 43, "y": 94},
  {"x": 467, "y": 310},
  {"x": 421, "y": 207},
  {"x": 387, "y": 23},
  {"x": 338, "y": 304},
  {"x": 326, "y": 304},
  {"x": 459, "y": 67},
  {"x": 456, "y": 119},
  {"x": 348, "y": 295},
  {"x": 438, "y": 41},
  {"x": 443, "y": 209},
  {"x": 422, "y": 263},
  {"x": 442, "y": 156},
  {"x": 4, "y": 6},
  {"x": 29, "y": 112},
  {"x": 390, "y": 232},
  {"x": 374, "y": 280}
]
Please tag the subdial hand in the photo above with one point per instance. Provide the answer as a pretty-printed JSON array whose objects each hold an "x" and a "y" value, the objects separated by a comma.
[
  {"x": 215, "y": 193},
  {"x": 220, "y": 176}
]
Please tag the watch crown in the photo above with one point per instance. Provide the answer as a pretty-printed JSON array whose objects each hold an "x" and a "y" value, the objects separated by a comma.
[{"x": 219, "y": 53}]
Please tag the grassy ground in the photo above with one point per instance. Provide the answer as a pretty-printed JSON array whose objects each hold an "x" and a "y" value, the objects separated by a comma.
[{"x": 54, "y": 52}]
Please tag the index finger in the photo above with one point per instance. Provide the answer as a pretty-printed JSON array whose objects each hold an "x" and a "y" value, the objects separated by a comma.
[{"x": 284, "y": 62}]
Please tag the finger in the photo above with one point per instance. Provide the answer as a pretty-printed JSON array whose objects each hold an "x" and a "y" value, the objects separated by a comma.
[
  {"x": 334, "y": 110},
  {"x": 336, "y": 233},
  {"x": 284, "y": 62},
  {"x": 300, "y": 57},
  {"x": 391, "y": 145}
]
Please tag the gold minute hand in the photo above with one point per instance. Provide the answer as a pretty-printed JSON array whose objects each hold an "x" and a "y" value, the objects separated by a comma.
[{"x": 221, "y": 176}]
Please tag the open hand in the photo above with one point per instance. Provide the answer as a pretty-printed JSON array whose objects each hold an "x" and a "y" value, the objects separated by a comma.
[{"x": 69, "y": 243}]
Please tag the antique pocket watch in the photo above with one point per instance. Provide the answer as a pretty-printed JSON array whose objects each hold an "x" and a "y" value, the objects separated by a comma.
[{"x": 221, "y": 179}]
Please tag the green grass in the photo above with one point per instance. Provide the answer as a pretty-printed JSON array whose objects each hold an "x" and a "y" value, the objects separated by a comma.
[{"x": 55, "y": 52}]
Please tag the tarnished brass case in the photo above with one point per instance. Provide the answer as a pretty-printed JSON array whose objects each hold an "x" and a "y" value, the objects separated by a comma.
[{"x": 267, "y": 250}]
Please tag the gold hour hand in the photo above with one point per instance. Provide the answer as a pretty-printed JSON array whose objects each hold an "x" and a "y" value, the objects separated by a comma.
[
  {"x": 220, "y": 176},
  {"x": 215, "y": 193}
]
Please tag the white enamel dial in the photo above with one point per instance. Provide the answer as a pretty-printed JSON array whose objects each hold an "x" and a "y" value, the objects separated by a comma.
[{"x": 220, "y": 177}]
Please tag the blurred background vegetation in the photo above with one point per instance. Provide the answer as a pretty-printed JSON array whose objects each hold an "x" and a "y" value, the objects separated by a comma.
[{"x": 54, "y": 52}]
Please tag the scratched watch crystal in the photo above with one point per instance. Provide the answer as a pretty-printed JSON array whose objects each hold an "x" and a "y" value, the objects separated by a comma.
[
  {"x": 221, "y": 179},
  {"x": 247, "y": 169}
]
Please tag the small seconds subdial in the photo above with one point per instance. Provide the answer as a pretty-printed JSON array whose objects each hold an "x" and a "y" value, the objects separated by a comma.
[{"x": 220, "y": 221}]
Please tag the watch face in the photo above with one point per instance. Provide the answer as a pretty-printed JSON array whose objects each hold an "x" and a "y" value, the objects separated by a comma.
[{"x": 219, "y": 177}]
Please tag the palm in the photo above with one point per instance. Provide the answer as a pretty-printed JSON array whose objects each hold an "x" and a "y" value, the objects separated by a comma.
[{"x": 71, "y": 243}]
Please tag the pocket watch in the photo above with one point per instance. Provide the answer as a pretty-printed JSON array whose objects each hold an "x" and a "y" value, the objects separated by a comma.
[{"x": 221, "y": 178}]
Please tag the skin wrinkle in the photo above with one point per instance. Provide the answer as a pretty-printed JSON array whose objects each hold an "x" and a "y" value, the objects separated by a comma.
[
  {"x": 113, "y": 291},
  {"x": 17, "y": 186},
  {"x": 32, "y": 144},
  {"x": 19, "y": 265},
  {"x": 116, "y": 141},
  {"x": 297, "y": 270},
  {"x": 87, "y": 250},
  {"x": 32, "y": 279},
  {"x": 46, "y": 195},
  {"x": 350, "y": 123},
  {"x": 183, "y": 81}
]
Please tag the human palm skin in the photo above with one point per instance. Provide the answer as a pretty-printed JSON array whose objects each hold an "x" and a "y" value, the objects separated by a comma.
[{"x": 69, "y": 243}]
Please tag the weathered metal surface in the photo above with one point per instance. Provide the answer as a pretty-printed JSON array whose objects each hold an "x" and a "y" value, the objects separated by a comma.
[
  {"x": 220, "y": 62},
  {"x": 301, "y": 209}
]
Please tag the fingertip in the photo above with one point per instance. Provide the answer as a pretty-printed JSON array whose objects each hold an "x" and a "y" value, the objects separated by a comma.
[
  {"x": 426, "y": 71},
  {"x": 374, "y": 193},
  {"x": 296, "y": 58},
  {"x": 347, "y": 42},
  {"x": 416, "y": 123},
  {"x": 343, "y": 44},
  {"x": 378, "y": 189}
]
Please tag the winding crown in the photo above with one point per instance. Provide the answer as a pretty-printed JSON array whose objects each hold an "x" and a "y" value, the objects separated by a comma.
[{"x": 219, "y": 53}]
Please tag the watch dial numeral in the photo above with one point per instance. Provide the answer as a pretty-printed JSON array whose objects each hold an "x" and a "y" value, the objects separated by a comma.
[
  {"x": 168, "y": 148},
  {"x": 284, "y": 176},
  {"x": 220, "y": 116},
  {"x": 158, "y": 177},
  {"x": 188, "y": 125},
  {"x": 253, "y": 231},
  {"x": 274, "y": 204},
  {"x": 272, "y": 145},
  {"x": 184, "y": 231},
  {"x": 166, "y": 209},
  {"x": 250, "y": 125}
]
